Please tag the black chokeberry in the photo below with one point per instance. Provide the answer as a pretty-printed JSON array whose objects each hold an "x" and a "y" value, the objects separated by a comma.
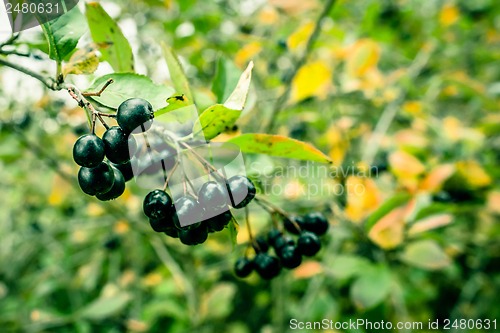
[
  {"x": 243, "y": 267},
  {"x": 316, "y": 222},
  {"x": 88, "y": 151},
  {"x": 308, "y": 243},
  {"x": 162, "y": 224},
  {"x": 260, "y": 244},
  {"x": 189, "y": 212},
  {"x": 217, "y": 223},
  {"x": 273, "y": 235},
  {"x": 135, "y": 113},
  {"x": 281, "y": 242},
  {"x": 157, "y": 204},
  {"x": 118, "y": 145},
  {"x": 292, "y": 223},
  {"x": 172, "y": 232},
  {"x": 125, "y": 169},
  {"x": 290, "y": 256},
  {"x": 112, "y": 243},
  {"x": 116, "y": 190},
  {"x": 241, "y": 191},
  {"x": 193, "y": 236},
  {"x": 96, "y": 180},
  {"x": 213, "y": 197},
  {"x": 267, "y": 266}
]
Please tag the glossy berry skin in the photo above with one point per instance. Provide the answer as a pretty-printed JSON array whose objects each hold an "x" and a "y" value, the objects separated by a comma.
[
  {"x": 243, "y": 267},
  {"x": 96, "y": 180},
  {"x": 260, "y": 244},
  {"x": 291, "y": 227},
  {"x": 189, "y": 212},
  {"x": 281, "y": 242},
  {"x": 213, "y": 197},
  {"x": 267, "y": 266},
  {"x": 241, "y": 191},
  {"x": 316, "y": 222},
  {"x": 193, "y": 236},
  {"x": 172, "y": 232},
  {"x": 118, "y": 145},
  {"x": 125, "y": 169},
  {"x": 217, "y": 223},
  {"x": 116, "y": 190},
  {"x": 308, "y": 243},
  {"x": 273, "y": 235},
  {"x": 162, "y": 224},
  {"x": 88, "y": 151},
  {"x": 290, "y": 256},
  {"x": 135, "y": 113},
  {"x": 157, "y": 205}
]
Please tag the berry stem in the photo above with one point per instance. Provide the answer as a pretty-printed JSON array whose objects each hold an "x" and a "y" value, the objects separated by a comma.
[
  {"x": 170, "y": 175},
  {"x": 98, "y": 94},
  {"x": 267, "y": 209}
]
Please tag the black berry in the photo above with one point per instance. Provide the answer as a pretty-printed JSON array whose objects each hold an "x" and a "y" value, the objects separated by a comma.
[
  {"x": 308, "y": 243},
  {"x": 241, "y": 191},
  {"x": 96, "y": 180},
  {"x": 172, "y": 232},
  {"x": 193, "y": 236},
  {"x": 316, "y": 222},
  {"x": 243, "y": 267},
  {"x": 290, "y": 256},
  {"x": 267, "y": 266},
  {"x": 134, "y": 113},
  {"x": 189, "y": 212},
  {"x": 260, "y": 244},
  {"x": 125, "y": 169},
  {"x": 88, "y": 151},
  {"x": 292, "y": 223},
  {"x": 273, "y": 235},
  {"x": 213, "y": 197},
  {"x": 281, "y": 242},
  {"x": 162, "y": 224},
  {"x": 116, "y": 190},
  {"x": 118, "y": 145},
  {"x": 157, "y": 204},
  {"x": 217, "y": 223}
]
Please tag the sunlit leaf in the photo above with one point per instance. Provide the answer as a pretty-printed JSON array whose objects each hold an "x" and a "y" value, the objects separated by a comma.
[
  {"x": 372, "y": 287},
  {"x": 388, "y": 232},
  {"x": 312, "y": 79},
  {"x": 362, "y": 57},
  {"x": 363, "y": 197},
  {"x": 177, "y": 74},
  {"x": 426, "y": 254},
  {"x": 300, "y": 36},
  {"x": 83, "y": 61},
  {"x": 105, "y": 306},
  {"x": 215, "y": 120},
  {"x": 390, "y": 204},
  {"x": 430, "y": 223},
  {"x": 238, "y": 98},
  {"x": 218, "y": 302},
  {"x": 226, "y": 78}
]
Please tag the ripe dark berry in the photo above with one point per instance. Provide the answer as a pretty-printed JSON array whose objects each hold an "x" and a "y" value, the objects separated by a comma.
[
  {"x": 193, "y": 236},
  {"x": 116, "y": 190},
  {"x": 260, "y": 244},
  {"x": 213, "y": 197},
  {"x": 308, "y": 243},
  {"x": 217, "y": 223},
  {"x": 172, "y": 232},
  {"x": 189, "y": 212},
  {"x": 134, "y": 113},
  {"x": 96, "y": 180},
  {"x": 290, "y": 256},
  {"x": 112, "y": 243},
  {"x": 273, "y": 235},
  {"x": 118, "y": 145},
  {"x": 157, "y": 204},
  {"x": 125, "y": 169},
  {"x": 292, "y": 223},
  {"x": 267, "y": 266},
  {"x": 281, "y": 242},
  {"x": 162, "y": 224},
  {"x": 316, "y": 222},
  {"x": 241, "y": 191},
  {"x": 243, "y": 267},
  {"x": 88, "y": 151}
]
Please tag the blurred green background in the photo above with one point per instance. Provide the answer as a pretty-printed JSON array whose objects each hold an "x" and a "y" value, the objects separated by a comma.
[{"x": 408, "y": 88}]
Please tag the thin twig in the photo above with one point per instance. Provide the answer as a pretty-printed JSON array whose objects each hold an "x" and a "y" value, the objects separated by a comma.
[
  {"x": 98, "y": 94},
  {"x": 48, "y": 82},
  {"x": 282, "y": 99}
]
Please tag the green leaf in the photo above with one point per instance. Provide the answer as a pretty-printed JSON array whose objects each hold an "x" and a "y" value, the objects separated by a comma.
[
  {"x": 238, "y": 98},
  {"x": 83, "y": 61},
  {"x": 372, "y": 287},
  {"x": 387, "y": 206},
  {"x": 128, "y": 85},
  {"x": 177, "y": 74},
  {"x": 233, "y": 231},
  {"x": 344, "y": 267},
  {"x": 280, "y": 146},
  {"x": 175, "y": 102},
  {"x": 426, "y": 254},
  {"x": 218, "y": 302},
  {"x": 106, "y": 33},
  {"x": 105, "y": 307},
  {"x": 63, "y": 33},
  {"x": 226, "y": 78},
  {"x": 215, "y": 120}
]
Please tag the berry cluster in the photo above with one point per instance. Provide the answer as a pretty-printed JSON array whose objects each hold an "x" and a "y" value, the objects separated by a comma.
[
  {"x": 186, "y": 217},
  {"x": 106, "y": 179},
  {"x": 288, "y": 253}
]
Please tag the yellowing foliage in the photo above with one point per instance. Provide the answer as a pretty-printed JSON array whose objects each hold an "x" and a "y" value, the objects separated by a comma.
[
  {"x": 449, "y": 15},
  {"x": 363, "y": 197},
  {"x": 247, "y": 53},
  {"x": 300, "y": 36},
  {"x": 312, "y": 79},
  {"x": 361, "y": 57}
]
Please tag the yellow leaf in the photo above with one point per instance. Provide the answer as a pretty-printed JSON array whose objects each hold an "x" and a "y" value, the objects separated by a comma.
[
  {"x": 430, "y": 223},
  {"x": 473, "y": 173},
  {"x": 268, "y": 16},
  {"x": 388, "y": 232},
  {"x": 312, "y": 79},
  {"x": 449, "y": 15},
  {"x": 121, "y": 227},
  {"x": 436, "y": 177},
  {"x": 411, "y": 138},
  {"x": 413, "y": 107},
  {"x": 361, "y": 57},
  {"x": 247, "y": 52},
  {"x": 300, "y": 36},
  {"x": 152, "y": 279},
  {"x": 363, "y": 197},
  {"x": 405, "y": 165},
  {"x": 83, "y": 61}
]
